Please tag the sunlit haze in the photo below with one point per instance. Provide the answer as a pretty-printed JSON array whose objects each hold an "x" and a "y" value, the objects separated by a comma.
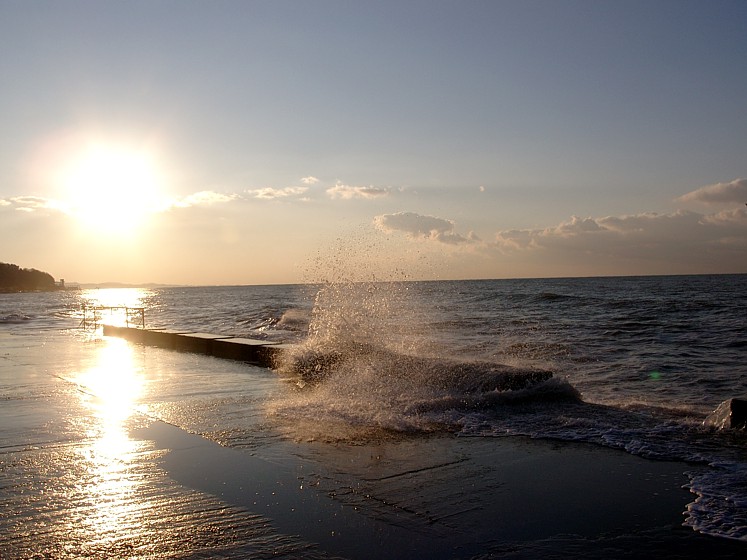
[
  {"x": 111, "y": 189},
  {"x": 235, "y": 142}
]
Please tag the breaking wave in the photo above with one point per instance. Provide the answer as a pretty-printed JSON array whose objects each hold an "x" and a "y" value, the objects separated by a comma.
[
  {"x": 367, "y": 366},
  {"x": 378, "y": 361}
]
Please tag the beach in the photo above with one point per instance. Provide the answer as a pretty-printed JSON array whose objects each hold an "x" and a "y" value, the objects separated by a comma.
[
  {"x": 373, "y": 280},
  {"x": 137, "y": 468}
]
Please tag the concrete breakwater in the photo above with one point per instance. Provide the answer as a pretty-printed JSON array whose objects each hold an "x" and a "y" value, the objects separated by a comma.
[
  {"x": 731, "y": 414},
  {"x": 260, "y": 352}
]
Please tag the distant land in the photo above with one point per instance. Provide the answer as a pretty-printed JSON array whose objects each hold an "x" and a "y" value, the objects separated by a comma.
[
  {"x": 93, "y": 285},
  {"x": 13, "y": 278}
]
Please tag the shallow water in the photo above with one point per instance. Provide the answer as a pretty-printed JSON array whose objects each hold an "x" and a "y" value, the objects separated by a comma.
[
  {"x": 90, "y": 468},
  {"x": 638, "y": 363}
]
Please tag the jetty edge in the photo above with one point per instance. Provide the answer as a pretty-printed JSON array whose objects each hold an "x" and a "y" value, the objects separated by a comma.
[
  {"x": 264, "y": 353},
  {"x": 731, "y": 414}
]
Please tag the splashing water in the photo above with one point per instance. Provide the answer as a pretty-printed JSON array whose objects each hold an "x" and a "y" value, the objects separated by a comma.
[{"x": 368, "y": 365}]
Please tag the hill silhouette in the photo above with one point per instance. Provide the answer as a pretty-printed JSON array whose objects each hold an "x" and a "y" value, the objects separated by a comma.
[{"x": 13, "y": 278}]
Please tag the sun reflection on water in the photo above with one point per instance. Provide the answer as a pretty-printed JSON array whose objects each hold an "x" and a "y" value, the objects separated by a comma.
[
  {"x": 111, "y": 305},
  {"x": 111, "y": 390},
  {"x": 131, "y": 297},
  {"x": 115, "y": 383}
]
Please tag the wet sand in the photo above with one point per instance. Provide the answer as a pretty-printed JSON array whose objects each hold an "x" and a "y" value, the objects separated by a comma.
[
  {"x": 85, "y": 471},
  {"x": 450, "y": 497}
]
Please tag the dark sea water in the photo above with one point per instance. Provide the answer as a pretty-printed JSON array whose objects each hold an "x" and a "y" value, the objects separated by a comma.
[{"x": 637, "y": 363}]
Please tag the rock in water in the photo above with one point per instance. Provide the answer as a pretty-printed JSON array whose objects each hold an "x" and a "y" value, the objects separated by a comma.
[{"x": 730, "y": 414}]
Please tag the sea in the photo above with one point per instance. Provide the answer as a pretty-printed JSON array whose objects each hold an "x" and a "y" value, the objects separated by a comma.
[{"x": 630, "y": 363}]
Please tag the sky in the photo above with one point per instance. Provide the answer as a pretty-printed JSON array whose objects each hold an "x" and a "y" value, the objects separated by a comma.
[{"x": 256, "y": 142}]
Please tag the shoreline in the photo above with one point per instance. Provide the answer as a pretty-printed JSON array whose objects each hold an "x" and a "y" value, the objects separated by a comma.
[
  {"x": 443, "y": 496},
  {"x": 85, "y": 474}
]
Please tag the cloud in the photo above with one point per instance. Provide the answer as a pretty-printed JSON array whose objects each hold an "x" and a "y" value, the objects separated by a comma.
[
  {"x": 685, "y": 238},
  {"x": 270, "y": 193},
  {"x": 309, "y": 180},
  {"x": 33, "y": 204},
  {"x": 203, "y": 198},
  {"x": 347, "y": 192},
  {"x": 418, "y": 226},
  {"x": 726, "y": 217},
  {"x": 721, "y": 193}
]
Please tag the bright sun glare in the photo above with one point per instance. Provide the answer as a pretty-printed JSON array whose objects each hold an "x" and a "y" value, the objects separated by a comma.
[{"x": 113, "y": 190}]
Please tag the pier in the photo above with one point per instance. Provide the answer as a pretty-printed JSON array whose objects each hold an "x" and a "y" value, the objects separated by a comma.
[
  {"x": 93, "y": 314},
  {"x": 259, "y": 352}
]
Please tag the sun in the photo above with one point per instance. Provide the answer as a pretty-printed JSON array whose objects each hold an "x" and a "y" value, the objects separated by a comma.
[{"x": 113, "y": 190}]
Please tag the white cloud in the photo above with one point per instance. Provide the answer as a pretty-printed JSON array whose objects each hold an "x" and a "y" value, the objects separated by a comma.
[
  {"x": 270, "y": 193},
  {"x": 347, "y": 192},
  {"x": 685, "y": 238},
  {"x": 727, "y": 217},
  {"x": 309, "y": 180},
  {"x": 720, "y": 193},
  {"x": 33, "y": 203},
  {"x": 418, "y": 226},
  {"x": 203, "y": 198}
]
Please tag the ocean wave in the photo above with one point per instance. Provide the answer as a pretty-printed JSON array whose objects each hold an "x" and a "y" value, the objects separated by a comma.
[
  {"x": 378, "y": 362},
  {"x": 314, "y": 364},
  {"x": 294, "y": 319},
  {"x": 364, "y": 387},
  {"x": 15, "y": 318}
]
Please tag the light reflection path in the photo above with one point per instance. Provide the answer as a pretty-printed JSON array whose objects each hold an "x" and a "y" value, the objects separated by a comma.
[
  {"x": 74, "y": 483},
  {"x": 111, "y": 390}
]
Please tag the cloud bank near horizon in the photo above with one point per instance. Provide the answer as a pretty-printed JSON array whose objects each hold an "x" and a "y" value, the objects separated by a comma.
[
  {"x": 733, "y": 192},
  {"x": 635, "y": 235},
  {"x": 679, "y": 242},
  {"x": 675, "y": 242}
]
